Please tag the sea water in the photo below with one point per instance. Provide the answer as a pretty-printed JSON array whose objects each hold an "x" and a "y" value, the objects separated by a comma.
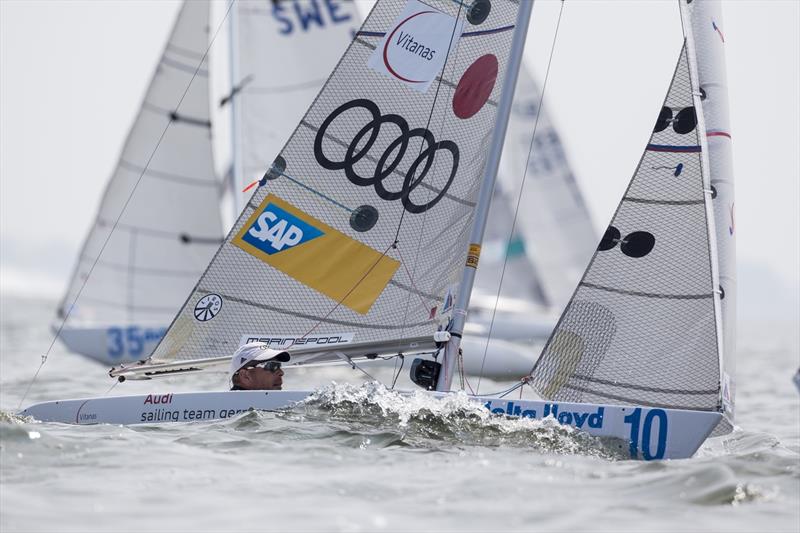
[{"x": 359, "y": 457}]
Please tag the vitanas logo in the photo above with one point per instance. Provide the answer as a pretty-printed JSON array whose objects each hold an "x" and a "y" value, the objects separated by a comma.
[
  {"x": 276, "y": 230},
  {"x": 415, "y": 47}
]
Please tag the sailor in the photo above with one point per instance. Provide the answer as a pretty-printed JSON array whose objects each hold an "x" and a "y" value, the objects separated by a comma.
[{"x": 256, "y": 367}]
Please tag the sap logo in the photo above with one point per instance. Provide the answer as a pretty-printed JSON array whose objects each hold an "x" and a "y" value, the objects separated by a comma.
[
  {"x": 276, "y": 229},
  {"x": 305, "y": 14}
]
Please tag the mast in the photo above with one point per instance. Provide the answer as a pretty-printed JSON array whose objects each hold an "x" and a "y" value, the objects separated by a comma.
[
  {"x": 704, "y": 29},
  {"x": 237, "y": 178},
  {"x": 485, "y": 196}
]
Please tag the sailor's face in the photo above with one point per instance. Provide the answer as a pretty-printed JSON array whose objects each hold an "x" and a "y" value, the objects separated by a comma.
[{"x": 263, "y": 379}]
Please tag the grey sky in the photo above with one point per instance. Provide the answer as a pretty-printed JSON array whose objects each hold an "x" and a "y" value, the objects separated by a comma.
[{"x": 73, "y": 74}]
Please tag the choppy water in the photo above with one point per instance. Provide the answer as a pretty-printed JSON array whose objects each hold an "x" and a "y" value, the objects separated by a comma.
[{"x": 360, "y": 458}]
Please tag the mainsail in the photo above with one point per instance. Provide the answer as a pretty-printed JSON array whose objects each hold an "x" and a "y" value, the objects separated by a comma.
[
  {"x": 643, "y": 326},
  {"x": 171, "y": 226},
  {"x": 358, "y": 231}
]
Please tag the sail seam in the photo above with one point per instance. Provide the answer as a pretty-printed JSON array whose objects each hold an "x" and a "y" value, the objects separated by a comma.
[
  {"x": 204, "y": 123},
  {"x": 159, "y": 174},
  {"x": 315, "y": 318},
  {"x": 648, "y": 294},
  {"x": 183, "y": 67},
  {"x": 138, "y": 308},
  {"x": 642, "y": 387},
  {"x": 191, "y": 54},
  {"x": 142, "y": 270},
  {"x": 663, "y": 202},
  {"x": 638, "y": 401},
  {"x": 313, "y": 84},
  {"x": 101, "y": 222}
]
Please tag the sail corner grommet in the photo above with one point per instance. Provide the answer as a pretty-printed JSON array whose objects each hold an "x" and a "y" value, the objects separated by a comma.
[{"x": 276, "y": 170}]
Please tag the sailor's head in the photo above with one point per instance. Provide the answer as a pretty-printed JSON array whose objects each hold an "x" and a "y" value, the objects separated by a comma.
[{"x": 256, "y": 367}]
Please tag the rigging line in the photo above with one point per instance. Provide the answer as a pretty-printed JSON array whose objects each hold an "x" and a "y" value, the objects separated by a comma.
[
  {"x": 397, "y": 374},
  {"x": 433, "y": 105},
  {"x": 433, "y": 154},
  {"x": 418, "y": 292},
  {"x": 124, "y": 208},
  {"x": 521, "y": 189},
  {"x": 339, "y": 303}
]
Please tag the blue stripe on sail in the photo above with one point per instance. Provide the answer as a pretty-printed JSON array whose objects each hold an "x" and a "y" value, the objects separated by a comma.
[
  {"x": 467, "y": 34},
  {"x": 670, "y": 148}
]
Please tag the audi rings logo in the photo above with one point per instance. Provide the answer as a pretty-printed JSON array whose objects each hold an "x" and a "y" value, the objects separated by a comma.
[{"x": 391, "y": 157}]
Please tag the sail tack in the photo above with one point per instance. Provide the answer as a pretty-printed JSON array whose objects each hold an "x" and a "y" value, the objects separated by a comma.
[
  {"x": 641, "y": 328},
  {"x": 171, "y": 225},
  {"x": 377, "y": 165}
]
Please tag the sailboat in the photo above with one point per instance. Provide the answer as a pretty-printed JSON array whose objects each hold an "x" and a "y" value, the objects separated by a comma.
[
  {"x": 133, "y": 276},
  {"x": 365, "y": 234}
]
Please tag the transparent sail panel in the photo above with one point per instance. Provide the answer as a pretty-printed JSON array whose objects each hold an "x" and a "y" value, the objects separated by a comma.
[
  {"x": 554, "y": 238},
  {"x": 641, "y": 327},
  {"x": 171, "y": 226},
  {"x": 359, "y": 229},
  {"x": 286, "y": 51}
]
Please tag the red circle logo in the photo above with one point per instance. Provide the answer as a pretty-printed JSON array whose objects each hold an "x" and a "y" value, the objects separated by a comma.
[{"x": 475, "y": 86}]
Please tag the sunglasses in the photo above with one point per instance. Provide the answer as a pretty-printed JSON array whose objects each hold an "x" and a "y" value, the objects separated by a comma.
[{"x": 269, "y": 366}]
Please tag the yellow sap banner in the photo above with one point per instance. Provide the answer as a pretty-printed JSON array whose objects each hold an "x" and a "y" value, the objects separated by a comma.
[{"x": 315, "y": 254}]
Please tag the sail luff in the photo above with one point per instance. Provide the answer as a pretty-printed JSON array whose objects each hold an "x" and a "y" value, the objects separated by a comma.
[
  {"x": 706, "y": 24},
  {"x": 481, "y": 212},
  {"x": 706, "y": 174}
]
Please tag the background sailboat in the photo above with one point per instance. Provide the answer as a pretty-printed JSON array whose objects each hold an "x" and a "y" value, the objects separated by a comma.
[{"x": 174, "y": 222}]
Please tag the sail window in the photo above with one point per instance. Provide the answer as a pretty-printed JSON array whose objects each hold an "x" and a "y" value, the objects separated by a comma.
[
  {"x": 364, "y": 218},
  {"x": 638, "y": 244},
  {"x": 478, "y": 11},
  {"x": 610, "y": 239}
]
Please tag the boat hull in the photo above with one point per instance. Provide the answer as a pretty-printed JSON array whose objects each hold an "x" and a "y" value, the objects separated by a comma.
[
  {"x": 112, "y": 345},
  {"x": 643, "y": 432}
]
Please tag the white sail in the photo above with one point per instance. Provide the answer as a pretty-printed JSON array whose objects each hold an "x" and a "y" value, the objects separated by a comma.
[
  {"x": 171, "y": 226},
  {"x": 285, "y": 52},
  {"x": 358, "y": 229},
  {"x": 707, "y": 30},
  {"x": 641, "y": 328},
  {"x": 553, "y": 238}
]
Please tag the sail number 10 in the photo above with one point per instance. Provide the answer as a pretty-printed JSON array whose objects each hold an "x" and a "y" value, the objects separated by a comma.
[{"x": 642, "y": 432}]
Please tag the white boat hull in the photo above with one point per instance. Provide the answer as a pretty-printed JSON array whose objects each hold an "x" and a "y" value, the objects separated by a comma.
[
  {"x": 112, "y": 345},
  {"x": 647, "y": 433}
]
